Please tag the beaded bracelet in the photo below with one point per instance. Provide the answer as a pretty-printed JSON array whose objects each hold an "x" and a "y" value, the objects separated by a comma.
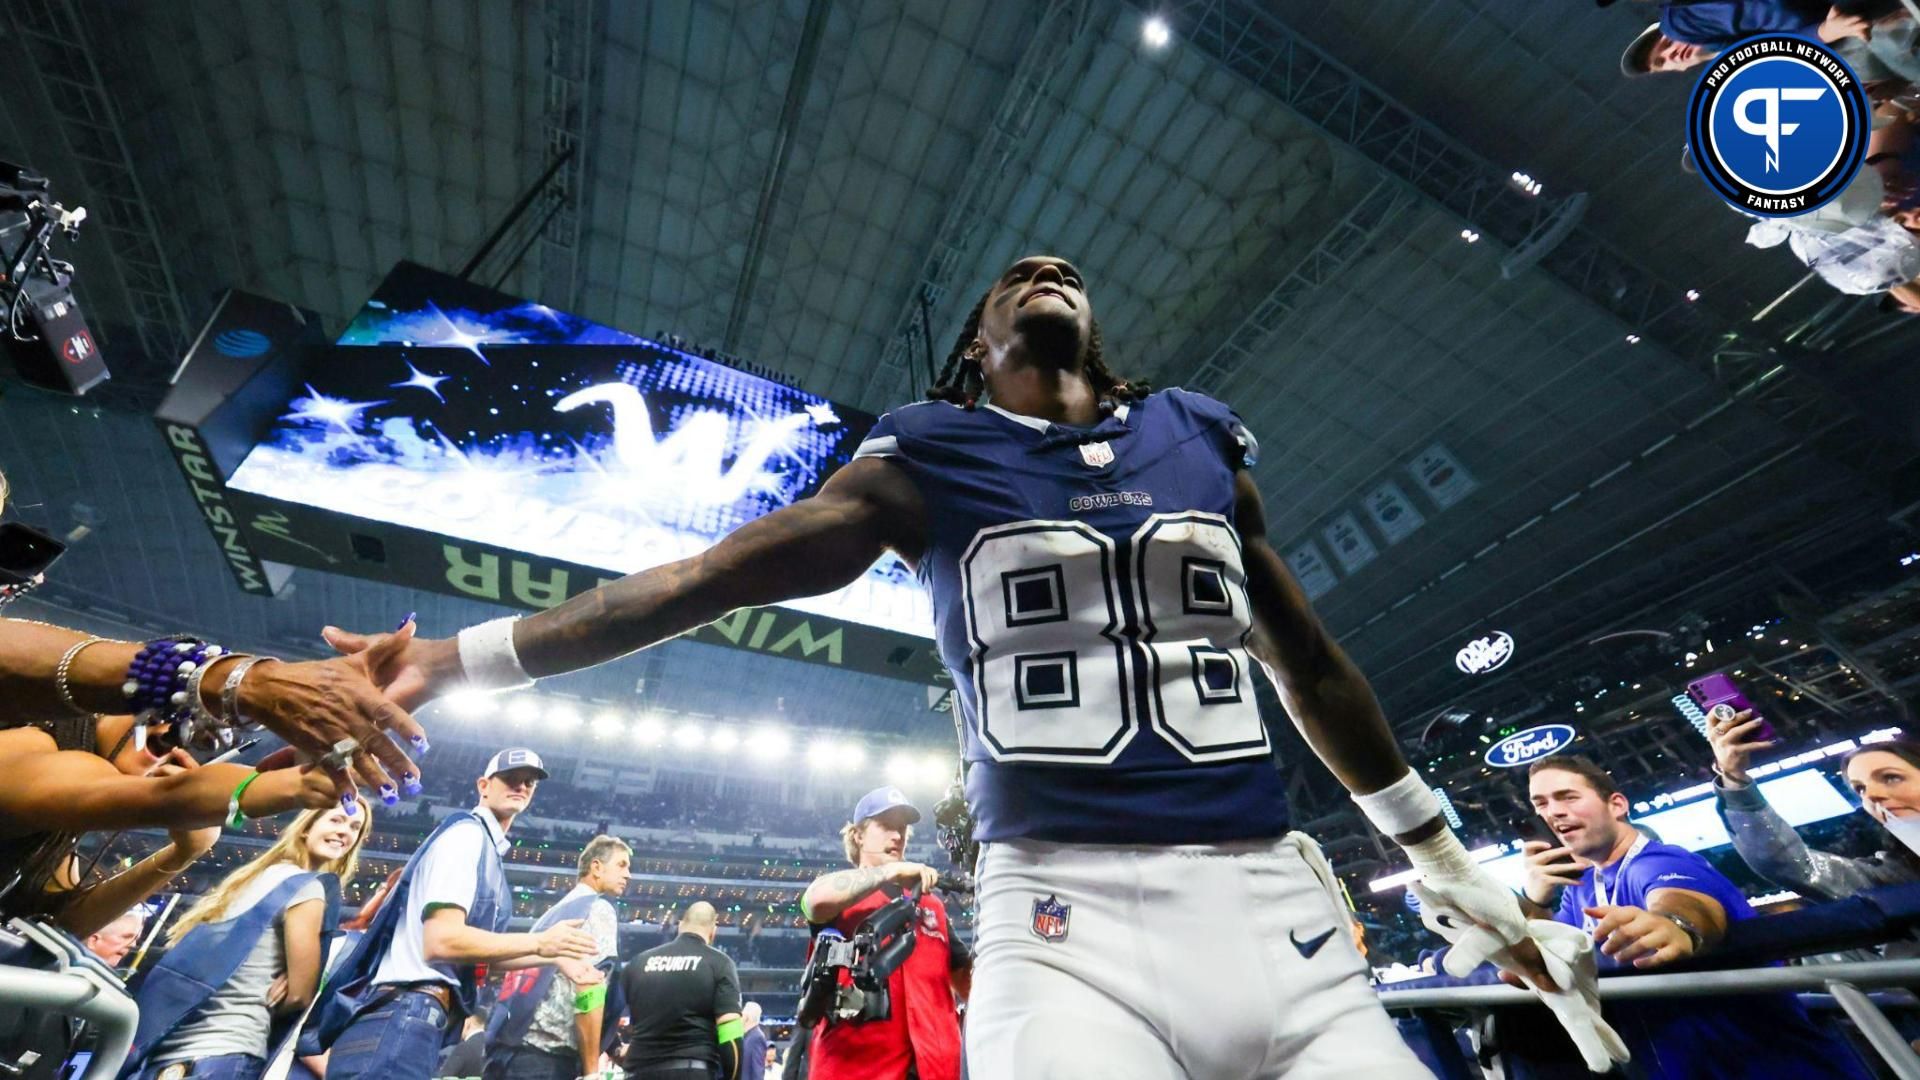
[{"x": 156, "y": 684}]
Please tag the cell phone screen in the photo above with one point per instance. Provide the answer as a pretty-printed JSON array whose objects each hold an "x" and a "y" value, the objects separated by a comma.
[{"x": 25, "y": 551}]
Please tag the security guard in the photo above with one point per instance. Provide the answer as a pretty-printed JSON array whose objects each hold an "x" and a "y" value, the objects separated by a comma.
[{"x": 683, "y": 1007}]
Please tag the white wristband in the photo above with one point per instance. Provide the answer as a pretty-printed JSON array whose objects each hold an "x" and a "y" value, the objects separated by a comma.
[
  {"x": 1400, "y": 807},
  {"x": 487, "y": 659},
  {"x": 1442, "y": 856}
]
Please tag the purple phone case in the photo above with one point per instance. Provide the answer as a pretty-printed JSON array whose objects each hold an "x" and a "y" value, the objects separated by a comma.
[{"x": 1718, "y": 689}]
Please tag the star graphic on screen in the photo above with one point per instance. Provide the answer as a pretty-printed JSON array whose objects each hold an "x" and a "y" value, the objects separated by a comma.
[
  {"x": 823, "y": 414},
  {"x": 461, "y": 339},
  {"x": 329, "y": 410},
  {"x": 424, "y": 381}
]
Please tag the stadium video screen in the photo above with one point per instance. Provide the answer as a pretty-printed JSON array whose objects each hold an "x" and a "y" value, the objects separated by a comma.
[{"x": 490, "y": 419}]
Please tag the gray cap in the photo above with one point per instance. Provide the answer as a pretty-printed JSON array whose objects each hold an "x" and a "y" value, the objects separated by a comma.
[
  {"x": 1633, "y": 62},
  {"x": 516, "y": 757}
]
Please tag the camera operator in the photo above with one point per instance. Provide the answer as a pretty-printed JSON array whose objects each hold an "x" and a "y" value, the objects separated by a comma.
[{"x": 920, "y": 1035}]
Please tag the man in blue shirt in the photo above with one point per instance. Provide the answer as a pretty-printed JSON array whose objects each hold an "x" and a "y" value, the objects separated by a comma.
[
  {"x": 1649, "y": 904},
  {"x": 1691, "y": 32}
]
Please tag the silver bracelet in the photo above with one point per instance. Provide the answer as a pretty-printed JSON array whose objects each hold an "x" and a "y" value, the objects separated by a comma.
[
  {"x": 230, "y": 692},
  {"x": 65, "y": 668}
]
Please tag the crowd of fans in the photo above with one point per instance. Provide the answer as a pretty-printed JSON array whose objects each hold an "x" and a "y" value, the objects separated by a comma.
[{"x": 1866, "y": 241}]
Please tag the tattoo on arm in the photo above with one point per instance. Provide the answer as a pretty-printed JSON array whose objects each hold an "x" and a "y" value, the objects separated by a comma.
[{"x": 838, "y": 890}]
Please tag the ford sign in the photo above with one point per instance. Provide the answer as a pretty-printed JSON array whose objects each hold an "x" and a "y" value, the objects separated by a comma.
[
  {"x": 1482, "y": 655},
  {"x": 1523, "y": 747}
]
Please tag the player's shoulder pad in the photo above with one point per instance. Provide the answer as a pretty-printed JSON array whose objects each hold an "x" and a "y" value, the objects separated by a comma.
[
  {"x": 899, "y": 428},
  {"x": 1208, "y": 410}
]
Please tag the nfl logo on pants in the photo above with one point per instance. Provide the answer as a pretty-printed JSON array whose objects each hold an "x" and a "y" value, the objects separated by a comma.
[{"x": 1050, "y": 919}]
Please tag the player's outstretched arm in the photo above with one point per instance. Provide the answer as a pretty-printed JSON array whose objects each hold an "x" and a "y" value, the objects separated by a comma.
[
  {"x": 814, "y": 546},
  {"x": 1323, "y": 692},
  {"x": 1334, "y": 708}
]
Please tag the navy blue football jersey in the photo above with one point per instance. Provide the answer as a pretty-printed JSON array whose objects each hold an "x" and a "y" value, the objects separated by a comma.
[{"x": 1090, "y": 600}]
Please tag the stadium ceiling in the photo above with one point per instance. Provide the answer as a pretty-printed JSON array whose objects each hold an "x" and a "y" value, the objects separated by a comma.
[{"x": 1273, "y": 209}]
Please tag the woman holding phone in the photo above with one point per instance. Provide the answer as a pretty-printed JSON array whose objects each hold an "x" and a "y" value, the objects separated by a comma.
[
  {"x": 249, "y": 956},
  {"x": 1884, "y": 776}
]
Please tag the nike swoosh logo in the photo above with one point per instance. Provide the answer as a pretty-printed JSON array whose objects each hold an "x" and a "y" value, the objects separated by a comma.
[{"x": 1311, "y": 945}]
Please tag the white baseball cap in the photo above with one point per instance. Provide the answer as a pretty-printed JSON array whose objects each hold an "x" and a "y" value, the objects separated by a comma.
[{"x": 516, "y": 757}]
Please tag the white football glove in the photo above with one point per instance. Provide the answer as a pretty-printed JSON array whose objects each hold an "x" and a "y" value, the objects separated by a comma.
[{"x": 1479, "y": 917}]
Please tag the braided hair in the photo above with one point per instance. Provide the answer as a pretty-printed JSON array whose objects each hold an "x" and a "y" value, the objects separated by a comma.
[{"x": 962, "y": 381}]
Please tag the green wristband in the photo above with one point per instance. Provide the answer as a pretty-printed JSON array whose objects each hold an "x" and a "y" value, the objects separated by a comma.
[
  {"x": 236, "y": 819},
  {"x": 590, "y": 999},
  {"x": 729, "y": 1030}
]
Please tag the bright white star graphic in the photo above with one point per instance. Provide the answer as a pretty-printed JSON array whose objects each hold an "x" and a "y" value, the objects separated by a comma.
[
  {"x": 823, "y": 414},
  {"x": 461, "y": 339},
  {"x": 424, "y": 381},
  {"x": 329, "y": 410}
]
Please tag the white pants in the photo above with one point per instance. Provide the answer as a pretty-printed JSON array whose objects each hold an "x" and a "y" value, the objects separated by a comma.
[{"x": 1202, "y": 962}]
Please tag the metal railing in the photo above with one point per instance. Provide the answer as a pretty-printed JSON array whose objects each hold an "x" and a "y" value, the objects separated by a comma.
[
  {"x": 1847, "y": 982},
  {"x": 78, "y": 987}
]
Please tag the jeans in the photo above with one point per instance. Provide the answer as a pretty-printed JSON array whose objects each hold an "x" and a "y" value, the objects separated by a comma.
[
  {"x": 400, "y": 1040},
  {"x": 528, "y": 1063},
  {"x": 218, "y": 1067}
]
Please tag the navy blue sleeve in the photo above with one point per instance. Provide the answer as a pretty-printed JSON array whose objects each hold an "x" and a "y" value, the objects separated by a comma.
[
  {"x": 1237, "y": 444},
  {"x": 882, "y": 441}
]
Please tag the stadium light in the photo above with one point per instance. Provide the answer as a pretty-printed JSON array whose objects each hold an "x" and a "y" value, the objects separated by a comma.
[
  {"x": 936, "y": 769},
  {"x": 607, "y": 724},
  {"x": 1155, "y": 32},
  {"x": 769, "y": 744},
  {"x": 563, "y": 716},
  {"x": 902, "y": 769},
  {"x": 822, "y": 754},
  {"x": 523, "y": 710},
  {"x": 649, "y": 730},
  {"x": 471, "y": 705},
  {"x": 689, "y": 736},
  {"x": 723, "y": 739}
]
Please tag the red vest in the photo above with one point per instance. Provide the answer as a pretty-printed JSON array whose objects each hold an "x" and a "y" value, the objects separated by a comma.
[{"x": 924, "y": 1028}]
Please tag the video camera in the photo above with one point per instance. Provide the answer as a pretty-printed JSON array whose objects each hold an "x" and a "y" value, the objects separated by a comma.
[
  {"x": 44, "y": 330},
  {"x": 953, "y": 828},
  {"x": 878, "y": 947}
]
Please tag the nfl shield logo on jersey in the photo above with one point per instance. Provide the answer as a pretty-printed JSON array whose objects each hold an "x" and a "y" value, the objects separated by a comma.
[
  {"x": 1050, "y": 918},
  {"x": 1097, "y": 455}
]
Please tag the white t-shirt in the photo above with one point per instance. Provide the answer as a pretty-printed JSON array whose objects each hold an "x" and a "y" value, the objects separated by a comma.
[
  {"x": 446, "y": 877},
  {"x": 236, "y": 1019}
]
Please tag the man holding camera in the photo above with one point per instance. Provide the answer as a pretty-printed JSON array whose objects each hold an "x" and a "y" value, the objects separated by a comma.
[{"x": 920, "y": 1034}]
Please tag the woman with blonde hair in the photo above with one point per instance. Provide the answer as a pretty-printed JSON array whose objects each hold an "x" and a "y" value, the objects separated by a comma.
[{"x": 247, "y": 957}]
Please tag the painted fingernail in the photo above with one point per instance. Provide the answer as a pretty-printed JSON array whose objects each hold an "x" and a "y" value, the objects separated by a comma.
[
  {"x": 404, "y": 622},
  {"x": 351, "y": 804},
  {"x": 388, "y": 794},
  {"x": 410, "y": 783},
  {"x": 419, "y": 743}
]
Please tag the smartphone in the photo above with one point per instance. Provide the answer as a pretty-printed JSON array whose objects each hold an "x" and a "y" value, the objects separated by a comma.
[
  {"x": 1708, "y": 691},
  {"x": 24, "y": 552}
]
